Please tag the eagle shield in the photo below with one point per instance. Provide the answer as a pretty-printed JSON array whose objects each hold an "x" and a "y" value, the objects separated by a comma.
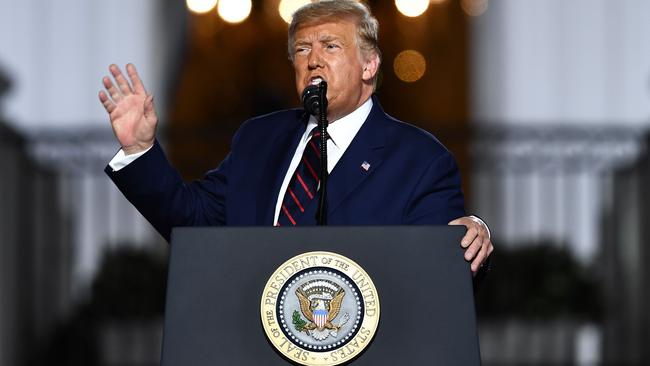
[{"x": 320, "y": 303}]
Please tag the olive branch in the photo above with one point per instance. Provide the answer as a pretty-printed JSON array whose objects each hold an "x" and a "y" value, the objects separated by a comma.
[{"x": 298, "y": 322}]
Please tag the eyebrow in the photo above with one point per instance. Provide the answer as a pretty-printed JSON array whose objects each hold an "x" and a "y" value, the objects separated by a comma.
[
  {"x": 329, "y": 38},
  {"x": 325, "y": 38}
]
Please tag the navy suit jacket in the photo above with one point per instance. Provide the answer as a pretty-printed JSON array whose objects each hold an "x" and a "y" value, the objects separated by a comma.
[{"x": 412, "y": 179}]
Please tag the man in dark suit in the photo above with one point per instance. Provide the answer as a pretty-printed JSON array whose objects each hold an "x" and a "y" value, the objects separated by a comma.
[{"x": 383, "y": 171}]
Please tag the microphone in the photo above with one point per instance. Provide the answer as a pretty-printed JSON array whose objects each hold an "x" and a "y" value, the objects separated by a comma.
[
  {"x": 311, "y": 98},
  {"x": 314, "y": 99}
]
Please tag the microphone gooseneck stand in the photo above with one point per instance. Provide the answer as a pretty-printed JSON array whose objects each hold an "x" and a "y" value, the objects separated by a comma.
[
  {"x": 314, "y": 99},
  {"x": 321, "y": 214}
]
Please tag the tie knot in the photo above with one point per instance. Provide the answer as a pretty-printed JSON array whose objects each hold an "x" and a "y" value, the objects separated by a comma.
[{"x": 315, "y": 133}]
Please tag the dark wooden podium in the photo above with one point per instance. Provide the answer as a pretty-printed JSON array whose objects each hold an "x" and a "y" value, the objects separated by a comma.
[{"x": 217, "y": 275}]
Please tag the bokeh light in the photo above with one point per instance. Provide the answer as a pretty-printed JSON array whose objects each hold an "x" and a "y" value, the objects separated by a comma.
[
  {"x": 409, "y": 66},
  {"x": 288, "y": 7},
  {"x": 474, "y": 8},
  {"x": 200, "y": 6},
  {"x": 234, "y": 11},
  {"x": 412, "y": 8}
]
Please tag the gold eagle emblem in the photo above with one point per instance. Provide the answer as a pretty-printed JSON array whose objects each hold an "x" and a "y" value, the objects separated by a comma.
[{"x": 317, "y": 304}]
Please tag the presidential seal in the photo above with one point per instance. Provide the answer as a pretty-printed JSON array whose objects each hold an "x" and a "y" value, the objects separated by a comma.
[{"x": 320, "y": 308}]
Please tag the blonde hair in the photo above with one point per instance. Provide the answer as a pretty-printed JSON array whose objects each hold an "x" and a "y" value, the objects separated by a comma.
[{"x": 322, "y": 11}]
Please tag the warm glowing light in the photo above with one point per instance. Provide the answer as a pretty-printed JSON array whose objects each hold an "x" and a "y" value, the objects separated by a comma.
[
  {"x": 288, "y": 7},
  {"x": 201, "y": 6},
  {"x": 409, "y": 66},
  {"x": 412, "y": 8},
  {"x": 234, "y": 11},
  {"x": 437, "y": 1},
  {"x": 474, "y": 8}
]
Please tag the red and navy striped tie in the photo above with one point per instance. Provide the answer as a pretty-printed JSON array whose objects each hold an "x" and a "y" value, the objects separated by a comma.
[{"x": 304, "y": 183}]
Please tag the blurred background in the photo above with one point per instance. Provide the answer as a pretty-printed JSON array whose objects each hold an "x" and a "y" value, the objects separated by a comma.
[{"x": 544, "y": 103}]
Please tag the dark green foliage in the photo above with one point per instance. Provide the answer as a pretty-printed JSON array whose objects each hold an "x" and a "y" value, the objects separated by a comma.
[
  {"x": 130, "y": 284},
  {"x": 298, "y": 322},
  {"x": 539, "y": 282}
]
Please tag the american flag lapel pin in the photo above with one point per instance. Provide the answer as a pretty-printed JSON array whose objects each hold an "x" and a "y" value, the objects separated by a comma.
[{"x": 365, "y": 165}]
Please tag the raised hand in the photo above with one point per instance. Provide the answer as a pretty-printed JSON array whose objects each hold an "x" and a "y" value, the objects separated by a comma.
[{"x": 130, "y": 109}]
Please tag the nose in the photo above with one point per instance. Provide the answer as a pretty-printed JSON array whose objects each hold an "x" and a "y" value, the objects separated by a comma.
[{"x": 315, "y": 60}]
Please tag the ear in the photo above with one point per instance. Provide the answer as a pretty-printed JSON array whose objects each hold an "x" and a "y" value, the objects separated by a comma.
[{"x": 370, "y": 66}]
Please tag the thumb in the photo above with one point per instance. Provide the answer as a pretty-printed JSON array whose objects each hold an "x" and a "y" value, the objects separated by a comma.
[{"x": 457, "y": 221}]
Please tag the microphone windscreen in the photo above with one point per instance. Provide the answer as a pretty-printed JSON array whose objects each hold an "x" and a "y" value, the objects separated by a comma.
[{"x": 310, "y": 100}]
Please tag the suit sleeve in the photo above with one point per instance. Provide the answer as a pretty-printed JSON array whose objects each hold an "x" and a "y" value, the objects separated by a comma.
[
  {"x": 157, "y": 190},
  {"x": 436, "y": 197}
]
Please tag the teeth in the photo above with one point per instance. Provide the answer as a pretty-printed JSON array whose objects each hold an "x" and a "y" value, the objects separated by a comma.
[{"x": 316, "y": 81}]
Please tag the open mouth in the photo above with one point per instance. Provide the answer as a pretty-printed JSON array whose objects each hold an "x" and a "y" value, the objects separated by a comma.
[{"x": 315, "y": 80}]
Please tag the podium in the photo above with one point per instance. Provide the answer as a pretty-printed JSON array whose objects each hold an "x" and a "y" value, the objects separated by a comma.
[{"x": 217, "y": 278}]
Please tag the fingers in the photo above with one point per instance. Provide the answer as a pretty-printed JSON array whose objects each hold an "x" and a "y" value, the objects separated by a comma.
[
  {"x": 470, "y": 236},
  {"x": 112, "y": 90},
  {"x": 474, "y": 248},
  {"x": 472, "y": 230},
  {"x": 148, "y": 108},
  {"x": 106, "y": 102},
  {"x": 481, "y": 256},
  {"x": 138, "y": 87},
  {"x": 124, "y": 86}
]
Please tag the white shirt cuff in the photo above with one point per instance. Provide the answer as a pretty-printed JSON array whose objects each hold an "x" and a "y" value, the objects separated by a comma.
[
  {"x": 478, "y": 219},
  {"x": 120, "y": 160}
]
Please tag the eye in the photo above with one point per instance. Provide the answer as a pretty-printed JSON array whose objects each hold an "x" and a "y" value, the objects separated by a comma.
[
  {"x": 332, "y": 46},
  {"x": 301, "y": 50}
]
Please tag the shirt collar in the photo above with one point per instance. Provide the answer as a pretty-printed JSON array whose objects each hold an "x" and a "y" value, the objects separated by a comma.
[{"x": 343, "y": 131}]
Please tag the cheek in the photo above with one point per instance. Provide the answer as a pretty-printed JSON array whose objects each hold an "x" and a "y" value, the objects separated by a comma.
[
  {"x": 299, "y": 76},
  {"x": 297, "y": 72},
  {"x": 341, "y": 77},
  {"x": 346, "y": 80}
]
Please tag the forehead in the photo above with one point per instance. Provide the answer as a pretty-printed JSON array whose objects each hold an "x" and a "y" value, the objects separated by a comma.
[{"x": 339, "y": 28}]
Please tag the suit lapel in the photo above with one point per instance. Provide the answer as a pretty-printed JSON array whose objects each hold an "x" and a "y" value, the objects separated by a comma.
[
  {"x": 360, "y": 160},
  {"x": 275, "y": 169},
  {"x": 347, "y": 175}
]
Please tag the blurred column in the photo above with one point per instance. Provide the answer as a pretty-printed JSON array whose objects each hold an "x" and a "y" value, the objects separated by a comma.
[
  {"x": 10, "y": 297},
  {"x": 625, "y": 261},
  {"x": 35, "y": 261}
]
